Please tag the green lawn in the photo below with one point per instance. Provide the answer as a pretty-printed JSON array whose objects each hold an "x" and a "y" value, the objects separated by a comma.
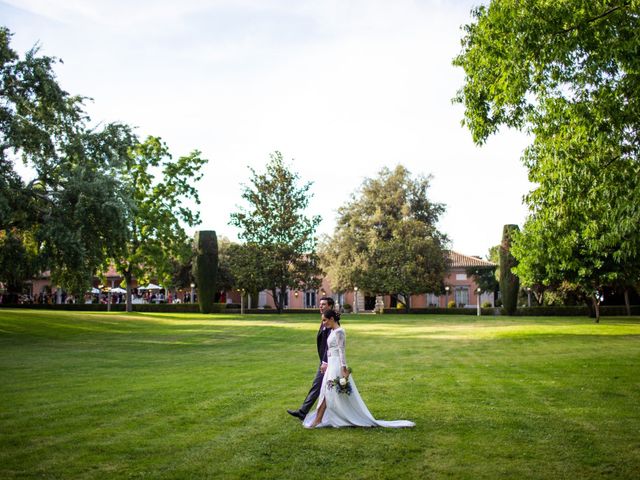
[{"x": 96, "y": 395}]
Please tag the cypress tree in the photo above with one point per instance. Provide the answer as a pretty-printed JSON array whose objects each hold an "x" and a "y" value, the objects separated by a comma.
[
  {"x": 509, "y": 282},
  {"x": 205, "y": 268}
]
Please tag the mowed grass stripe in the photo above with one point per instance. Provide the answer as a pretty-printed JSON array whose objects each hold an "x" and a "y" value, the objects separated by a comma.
[{"x": 97, "y": 395}]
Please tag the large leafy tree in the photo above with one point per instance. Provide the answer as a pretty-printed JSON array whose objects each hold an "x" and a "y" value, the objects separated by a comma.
[
  {"x": 386, "y": 240},
  {"x": 70, "y": 216},
  {"x": 161, "y": 190},
  {"x": 280, "y": 238},
  {"x": 567, "y": 73},
  {"x": 246, "y": 266}
]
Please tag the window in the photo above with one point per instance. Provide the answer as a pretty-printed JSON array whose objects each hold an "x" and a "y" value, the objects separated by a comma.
[
  {"x": 461, "y": 276},
  {"x": 462, "y": 296},
  {"x": 432, "y": 300},
  {"x": 310, "y": 299},
  {"x": 284, "y": 297}
]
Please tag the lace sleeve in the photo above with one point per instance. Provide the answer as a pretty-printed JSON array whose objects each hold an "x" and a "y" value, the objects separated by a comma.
[{"x": 341, "y": 339}]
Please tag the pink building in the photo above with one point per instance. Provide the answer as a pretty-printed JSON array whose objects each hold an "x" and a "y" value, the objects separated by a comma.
[{"x": 459, "y": 288}]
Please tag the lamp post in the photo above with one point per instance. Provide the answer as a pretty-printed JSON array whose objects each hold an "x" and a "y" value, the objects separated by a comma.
[
  {"x": 478, "y": 292},
  {"x": 100, "y": 287},
  {"x": 193, "y": 289},
  {"x": 241, "y": 290},
  {"x": 529, "y": 296},
  {"x": 446, "y": 300},
  {"x": 355, "y": 299}
]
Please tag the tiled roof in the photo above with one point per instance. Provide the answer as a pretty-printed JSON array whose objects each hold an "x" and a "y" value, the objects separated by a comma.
[{"x": 465, "y": 261}]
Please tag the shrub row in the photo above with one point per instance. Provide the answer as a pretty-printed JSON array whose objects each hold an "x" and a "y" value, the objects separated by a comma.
[
  {"x": 121, "y": 307},
  {"x": 544, "y": 311},
  {"x": 556, "y": 311},
  {"x": 443, "y": 311}
]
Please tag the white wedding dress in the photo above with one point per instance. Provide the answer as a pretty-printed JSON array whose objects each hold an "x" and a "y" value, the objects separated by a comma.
[{"x": 344, "y": 410}]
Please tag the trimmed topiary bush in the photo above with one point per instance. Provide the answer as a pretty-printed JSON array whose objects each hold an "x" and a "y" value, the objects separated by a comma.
[
  {"x": 205, "y": 268},
  {"x": 509, "y": 282}
]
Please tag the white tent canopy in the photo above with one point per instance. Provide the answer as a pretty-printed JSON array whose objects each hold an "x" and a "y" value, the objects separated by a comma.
[
  {"x": 95, "y": 291},
  {"x": 118, "y": 290},
  {"x": 151, "y": 286}
]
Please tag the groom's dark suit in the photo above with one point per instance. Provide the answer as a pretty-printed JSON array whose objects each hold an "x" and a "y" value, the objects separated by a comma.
[{"x": 314, "y": 392}]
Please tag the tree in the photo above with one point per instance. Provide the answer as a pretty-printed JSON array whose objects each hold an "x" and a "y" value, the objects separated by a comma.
[
  {"x": 488, "y": 278},
  {"x": 565, "y": 72},
  {"x": 386, "y": 241},
  {"x": 155, "y": 235},
  {"x": 205, "y": 268},
  {"x": 248, "y": 270},
  {"x": 70, "y": 216},
  {"x": 280, "y": 238},
  {"x": 226, "y": 278},
  {"x": 509, "y": 281}
]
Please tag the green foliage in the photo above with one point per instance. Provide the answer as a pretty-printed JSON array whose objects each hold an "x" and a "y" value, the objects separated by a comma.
[
  {"x": 205, "y": 268},
  {"x": 565, "y": 72},
  {"x": 73, "y": 212},
  {"x": 509, "y": 282},
  {"x": 280, "y": 240},
  {"x": 161, "y": 190},
  {"x": 386, "y": 240},
  {"x": 226, "y": 279},
  {"x": 247, "y": 267},
  {"x": 19, "y": 260},
  {"x": 485, "y": 277}
]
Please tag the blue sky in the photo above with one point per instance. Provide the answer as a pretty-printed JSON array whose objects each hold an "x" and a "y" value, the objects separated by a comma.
[{"x": 341, "y": 88}]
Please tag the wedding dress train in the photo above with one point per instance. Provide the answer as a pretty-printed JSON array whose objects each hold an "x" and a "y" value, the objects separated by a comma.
[{"x": 342, "y": 409}]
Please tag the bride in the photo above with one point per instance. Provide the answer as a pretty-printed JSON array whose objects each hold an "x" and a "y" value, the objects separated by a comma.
[{"x": 340, "y": 404}]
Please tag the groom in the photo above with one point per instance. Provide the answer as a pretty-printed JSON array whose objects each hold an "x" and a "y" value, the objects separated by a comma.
[{"x": 326, "y": 303}]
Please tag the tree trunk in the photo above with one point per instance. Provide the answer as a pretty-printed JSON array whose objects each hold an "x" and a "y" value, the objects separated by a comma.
[
  {"x": 276, "y": 300},
  {"x": 283, "y": 293},
  {"x": 539, "y": 296},
  {"x": 626, "y": 301},
  {"x": 596, "y": 307},
  {"x": 127, "y": 279},
  {"x": 407, "y": 303}
]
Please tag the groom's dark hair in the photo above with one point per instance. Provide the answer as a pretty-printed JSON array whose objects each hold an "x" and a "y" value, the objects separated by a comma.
[{"x": 329, "y": 301}]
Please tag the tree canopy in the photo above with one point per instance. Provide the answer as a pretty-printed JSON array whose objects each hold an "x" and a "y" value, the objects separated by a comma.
[
  {"x": 161, "y": 190},
  {"x": 71, "y": 215},
  {"x": 280, "y": 238},
  {"x": 568, "y": 73},
  {"x": 386, "y": 240},
  {"x": 94, "y": 195}
]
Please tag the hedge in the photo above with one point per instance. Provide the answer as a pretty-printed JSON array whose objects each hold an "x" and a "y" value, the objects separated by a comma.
[
  {"x": 121, "y": 307},
  {"x": 205, "y": 268},
  {"x": 558, "y": 311}
]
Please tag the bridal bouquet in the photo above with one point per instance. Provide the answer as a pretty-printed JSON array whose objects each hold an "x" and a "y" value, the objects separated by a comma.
[{"x": 341, "y": 384}]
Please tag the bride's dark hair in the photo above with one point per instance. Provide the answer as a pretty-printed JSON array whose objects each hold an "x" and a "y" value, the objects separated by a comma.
[{"x": 332, "y": 314}]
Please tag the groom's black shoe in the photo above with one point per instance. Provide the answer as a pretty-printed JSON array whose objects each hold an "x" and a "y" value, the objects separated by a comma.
[{"x": 296, "y": 413}]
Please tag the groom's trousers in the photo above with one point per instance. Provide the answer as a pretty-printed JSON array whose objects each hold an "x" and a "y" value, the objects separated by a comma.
[{"x": 314, "y": 392}]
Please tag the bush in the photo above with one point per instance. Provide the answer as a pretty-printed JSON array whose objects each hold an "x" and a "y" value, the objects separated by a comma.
[
  {"x": 451, "y": 304},
  {"x": 509, "y": 282},
  {"x": 205, "y": 268},
  {"x": 487, "y": 305}
]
